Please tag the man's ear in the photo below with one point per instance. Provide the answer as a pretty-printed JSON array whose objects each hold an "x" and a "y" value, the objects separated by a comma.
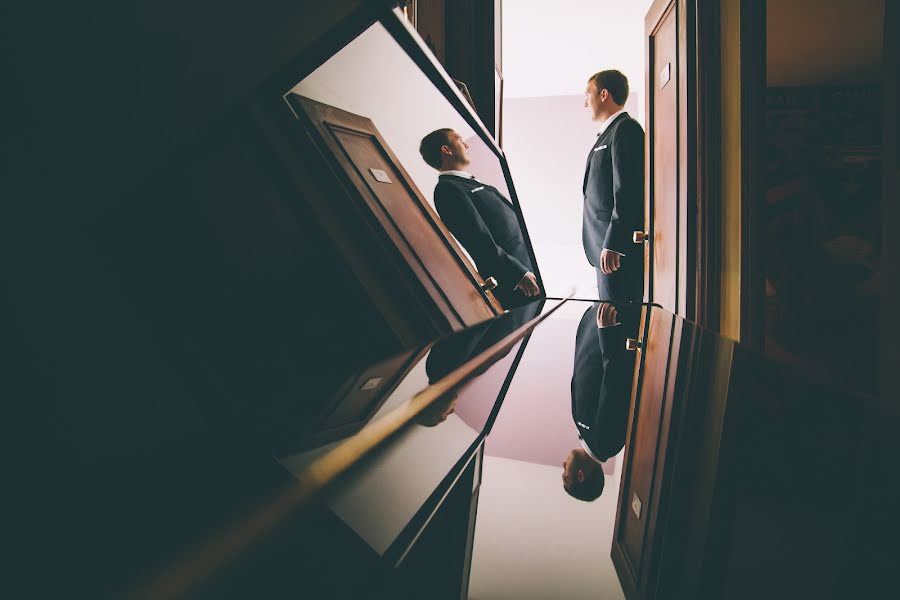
[
  {"x": 579, "y": 475},
  {"x": 445, "y": 149}
]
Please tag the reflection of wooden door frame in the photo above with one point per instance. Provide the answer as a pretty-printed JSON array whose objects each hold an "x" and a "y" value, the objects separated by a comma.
[
  {"x": 326, "y": 121},
  {"x": 640, "y": 513},
  {"x": 318, "y": 431}
]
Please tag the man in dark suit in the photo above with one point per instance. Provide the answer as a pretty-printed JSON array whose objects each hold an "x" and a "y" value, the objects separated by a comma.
[
  {"x": 614, "y": 191},
  {"x": 601, "y": 394},
  {"x": 481, "y": 218}
]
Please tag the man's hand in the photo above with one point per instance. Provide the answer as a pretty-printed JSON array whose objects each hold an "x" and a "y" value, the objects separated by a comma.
[
  {"x": 607, "y": 315},
  {"x": 529, "y": 285},
  {"x": 609, "y": 261}
]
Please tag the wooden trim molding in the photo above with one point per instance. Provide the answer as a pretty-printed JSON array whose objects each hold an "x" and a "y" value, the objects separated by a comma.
[
  {"x": 753, "y": 185},
  {"x": 704, "y": 60}
]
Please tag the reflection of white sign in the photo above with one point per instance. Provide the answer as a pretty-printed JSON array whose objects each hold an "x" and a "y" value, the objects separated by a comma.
[
  {"x": 636, "y": 505},
  {"x": 665, "y": 75},
  {"x": 380, "y": 175},
  {"x": 372, "y": 383}
]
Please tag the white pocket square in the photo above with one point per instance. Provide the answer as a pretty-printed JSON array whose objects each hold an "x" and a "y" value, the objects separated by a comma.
[
  {"x": 598, "y": 148},
  {"x": 478, "y": 189}
]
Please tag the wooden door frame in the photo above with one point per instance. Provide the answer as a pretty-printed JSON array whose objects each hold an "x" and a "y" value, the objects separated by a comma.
[
  {"x": 704, "y": 42},
  {"x": 890, "y": 212},
  {"x": 700, "y": 171},
  {"x": 699, "y": 148},
  {"x": 753, "y": 174}
]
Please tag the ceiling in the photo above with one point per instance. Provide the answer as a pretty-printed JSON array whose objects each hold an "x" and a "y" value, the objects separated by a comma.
[{"x": 824, "y": 42}]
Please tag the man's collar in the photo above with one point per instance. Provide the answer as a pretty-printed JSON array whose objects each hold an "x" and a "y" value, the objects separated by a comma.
[
  {"x": 463, "y": 174},
  {"x": 610, "y": 119},
  {"x": 588, "y": 450}
]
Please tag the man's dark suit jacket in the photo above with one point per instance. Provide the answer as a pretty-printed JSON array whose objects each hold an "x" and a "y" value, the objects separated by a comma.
[
  {"x": 484, "y": 222},
  {"x": 602, "y": 379},
  {"x": 614, "y": 207}
]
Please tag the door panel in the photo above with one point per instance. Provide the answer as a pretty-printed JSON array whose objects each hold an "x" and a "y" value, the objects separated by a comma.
[
  {"x": 636, "y": 515},
  {"x": 387, "y": 192},
  {"x": 663, "y": 80}
]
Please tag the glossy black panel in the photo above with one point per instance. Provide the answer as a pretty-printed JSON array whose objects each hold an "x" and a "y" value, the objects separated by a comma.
[{"x": 726, "y": 456}]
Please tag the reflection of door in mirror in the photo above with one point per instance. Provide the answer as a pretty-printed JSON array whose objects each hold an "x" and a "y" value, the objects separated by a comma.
[
  {"x": 353, "y": 145},
  {"x": 354, "y": 404}
]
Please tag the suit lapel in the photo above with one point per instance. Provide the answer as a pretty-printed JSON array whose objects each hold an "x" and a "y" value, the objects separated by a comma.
[
  {"x": 600, "y": 138},
  {"x": 473, "y": 184}
]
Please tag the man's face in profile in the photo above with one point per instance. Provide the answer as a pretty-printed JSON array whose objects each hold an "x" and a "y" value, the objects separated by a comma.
[
  {"x": 582, "y": 476},
  {"x": 594, "y": 99},
  {"x": 457, "y": 147},
  {"x": 573, "y": 471}
]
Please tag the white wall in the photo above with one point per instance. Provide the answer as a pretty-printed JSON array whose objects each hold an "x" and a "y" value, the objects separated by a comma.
[
  {"x": 550, "y": 49},
  {"x": 373, "y": 77},
  {"x": 533, "y": 541}
]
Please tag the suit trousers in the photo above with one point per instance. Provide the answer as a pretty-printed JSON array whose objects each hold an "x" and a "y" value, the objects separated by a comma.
[{"x": 624, "y": 285}]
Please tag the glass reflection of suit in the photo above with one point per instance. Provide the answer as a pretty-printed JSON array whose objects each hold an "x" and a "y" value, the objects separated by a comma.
[{"x": 602, "y": 379}]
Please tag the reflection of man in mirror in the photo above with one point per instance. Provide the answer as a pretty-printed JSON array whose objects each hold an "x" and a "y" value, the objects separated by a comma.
[
  {"x": 601, "y": 395},
  {"x": 438, "y": 411},
  {"x": 454, "y": 351},
  {"x": 481, "y": 218},
  {"x": 614, "y": 191}
]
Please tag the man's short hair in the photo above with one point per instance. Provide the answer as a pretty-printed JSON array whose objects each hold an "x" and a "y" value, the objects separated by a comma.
[
  {"x": 430, "y": 148},
  {"x": 589, "y": 489},
  {"x": 614, "y": 82}
]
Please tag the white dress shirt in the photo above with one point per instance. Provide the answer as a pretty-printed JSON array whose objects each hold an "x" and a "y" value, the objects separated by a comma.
[
  {"x": 609, "y": 120},
  {"x": 588, "y": 450},
  {"x": 463, "y": 174}
]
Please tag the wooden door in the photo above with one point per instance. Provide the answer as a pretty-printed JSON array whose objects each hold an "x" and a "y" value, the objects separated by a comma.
[
  {"x": 645, "y": 447},
  {"x": 386, "y": 193},
  {"x": 668, "y": 274}
]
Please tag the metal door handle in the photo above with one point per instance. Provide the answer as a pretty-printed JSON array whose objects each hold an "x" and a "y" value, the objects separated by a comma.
[
  {"x": 639, "y": 237},
  {"x": 489, "y": 284}
]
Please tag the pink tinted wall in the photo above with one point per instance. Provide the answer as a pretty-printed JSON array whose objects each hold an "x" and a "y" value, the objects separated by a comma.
[
  {"x": 546, "y": 141},
  {"x": 535, "y": 421}
]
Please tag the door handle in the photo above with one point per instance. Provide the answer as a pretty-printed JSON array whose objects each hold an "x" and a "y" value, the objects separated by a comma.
[
  {"x": 489, "y": 284},
  {"x": 632, "y": 345},
  {"x": 639, "y": 237}
]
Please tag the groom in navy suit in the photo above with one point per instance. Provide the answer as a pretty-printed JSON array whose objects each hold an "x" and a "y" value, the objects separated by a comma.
[
  {"x": 601, "y": 394},
  {"x": 481, "y": 218},
  {"x": 614, "y": 191}
]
